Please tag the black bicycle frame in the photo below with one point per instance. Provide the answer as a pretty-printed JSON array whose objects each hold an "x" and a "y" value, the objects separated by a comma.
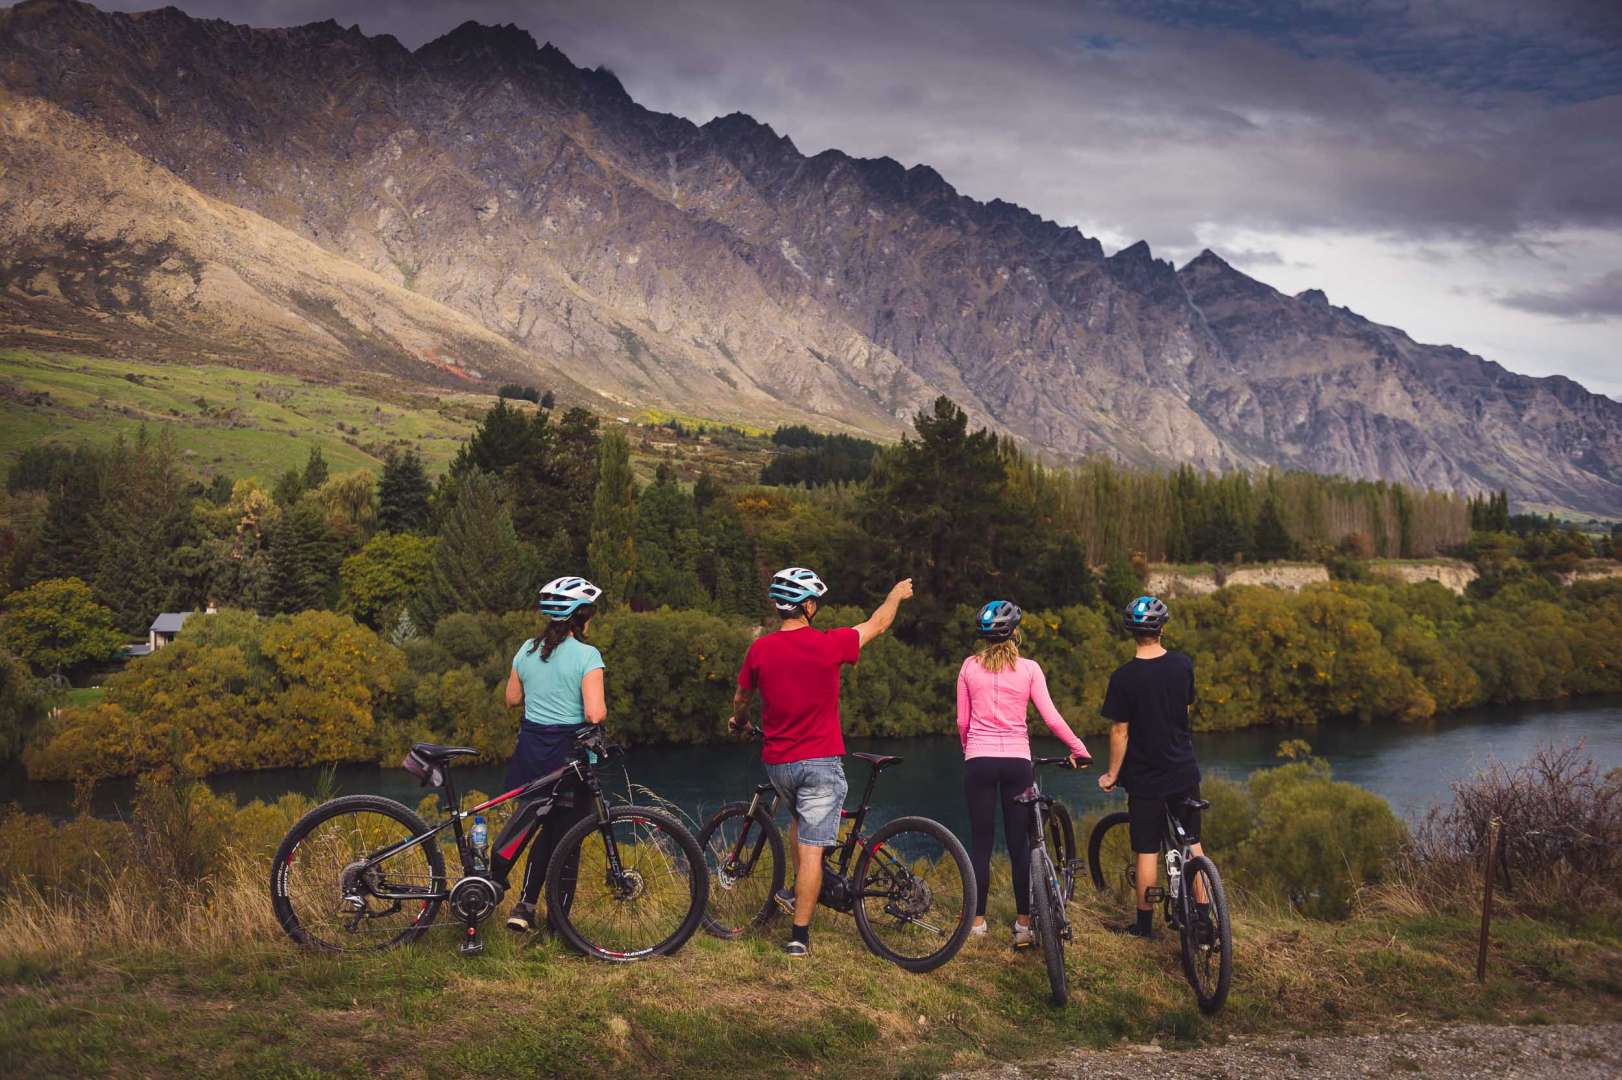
[
  {"x": 520, "y": 829},
  {"x": 846, "y": 849}
]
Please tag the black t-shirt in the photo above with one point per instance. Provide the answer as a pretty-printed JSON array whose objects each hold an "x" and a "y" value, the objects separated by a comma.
[{"x": 1152, "y": 698}]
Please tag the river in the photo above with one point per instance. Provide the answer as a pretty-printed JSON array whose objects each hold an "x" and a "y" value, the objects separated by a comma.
[{"x": 1410, "y": 765}]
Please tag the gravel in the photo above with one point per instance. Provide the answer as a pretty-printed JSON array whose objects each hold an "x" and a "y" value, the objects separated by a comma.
[{"x": 1567, "y": 1051}]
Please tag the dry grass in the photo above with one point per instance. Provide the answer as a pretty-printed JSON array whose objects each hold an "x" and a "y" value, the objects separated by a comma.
[{"x": 153, "y": 984}]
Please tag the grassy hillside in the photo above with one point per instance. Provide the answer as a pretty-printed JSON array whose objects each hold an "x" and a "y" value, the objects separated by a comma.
[
  {"x": 252, "y": 423},
  {"x": 224, "y": 419}
]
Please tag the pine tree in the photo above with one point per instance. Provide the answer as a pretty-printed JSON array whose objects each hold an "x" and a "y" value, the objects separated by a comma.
[
  {"x": 479, "y": 563},
  {"x": 667, "y": 547},
  {"x": 289, "y": 488},
  {"x": 402, "y": 495},
  {"x": 67, "y": 544},
  {"x": 143, "y": 519},
  {"x": 1272, "y": 538},
  {"x": 611, "y": 552},
  {"x": 304, "y": 558},
  {"x": 315, "y": 470}
]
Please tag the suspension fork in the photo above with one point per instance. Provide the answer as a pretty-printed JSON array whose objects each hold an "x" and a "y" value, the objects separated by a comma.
[
  {"x": 614, "y": 869},
  {"x": 735, "y": 860}
]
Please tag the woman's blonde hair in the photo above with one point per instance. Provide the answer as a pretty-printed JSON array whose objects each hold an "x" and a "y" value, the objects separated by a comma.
[{"x": 999, "y": 656}]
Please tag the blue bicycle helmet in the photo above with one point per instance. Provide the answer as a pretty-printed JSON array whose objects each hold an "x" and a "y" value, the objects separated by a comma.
[
  {"x": 998, "y": 620},
  {"x": 1146, "y": 615},
  {"x": 562, "y": 597},
  {"x": 793, "y": 586}
]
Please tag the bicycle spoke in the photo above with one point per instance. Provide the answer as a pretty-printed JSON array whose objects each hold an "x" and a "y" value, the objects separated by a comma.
[
  {"x": 332, "y": 892},
  {"x": 646, "y": 903},
  {"x": 913, "y": 895}
]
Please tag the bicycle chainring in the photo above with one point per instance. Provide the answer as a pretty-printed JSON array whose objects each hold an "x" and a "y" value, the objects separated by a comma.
[{"x": 474, "y": 899}]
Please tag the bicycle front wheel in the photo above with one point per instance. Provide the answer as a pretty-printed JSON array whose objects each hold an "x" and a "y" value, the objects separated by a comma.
[
  {"x": 1109, "y": 852},
  {"x": 650, "y": 906},
  {"x": 1046, "y": 906},
  {"x": 1061, "y": 841},
  {"x": 325, "y": 881},
  {"x": 744, "y": 856},
  {"x": 1207, "y": 937},
  {"x": 914, "y": 894}
]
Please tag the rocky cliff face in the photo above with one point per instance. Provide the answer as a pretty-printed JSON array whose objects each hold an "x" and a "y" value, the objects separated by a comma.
[{"x": 716, "y": 269}]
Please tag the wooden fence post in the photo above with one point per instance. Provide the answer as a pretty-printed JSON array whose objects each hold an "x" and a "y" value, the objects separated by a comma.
[{"x": 1489, "y": 868}]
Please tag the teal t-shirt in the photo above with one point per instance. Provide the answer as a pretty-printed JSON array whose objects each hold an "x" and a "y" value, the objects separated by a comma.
[{"x": 552, "y": 686}]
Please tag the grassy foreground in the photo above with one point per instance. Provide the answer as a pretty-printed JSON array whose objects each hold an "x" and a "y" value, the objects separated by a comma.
[{"x": 109, "y": 992}]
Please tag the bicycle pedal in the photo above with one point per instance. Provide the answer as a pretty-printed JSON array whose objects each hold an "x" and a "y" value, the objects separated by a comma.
[
  {"x": 1154, "y": 894},
  {"x": 473, "y": 944}
]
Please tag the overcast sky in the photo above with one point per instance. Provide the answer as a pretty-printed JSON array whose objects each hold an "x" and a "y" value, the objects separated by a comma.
[{"x": 1452, "y": 167}]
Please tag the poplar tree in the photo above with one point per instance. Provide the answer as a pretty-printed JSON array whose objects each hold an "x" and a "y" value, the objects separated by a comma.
[{"x": 611, "y": 551}]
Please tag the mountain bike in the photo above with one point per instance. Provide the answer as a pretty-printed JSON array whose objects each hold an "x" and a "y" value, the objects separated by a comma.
[
  {"x": 1192, "y": 900},
  {"x": 362, "y": 872},
  {"x": 1053, "y": 881},
  {"x": 911, "y": 890}
]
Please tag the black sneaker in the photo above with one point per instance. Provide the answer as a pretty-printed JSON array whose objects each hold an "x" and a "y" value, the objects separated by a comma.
[
  {"x": 784, "y": 898},
  {"x": 797, "y": 948},
  {"x": 522, "y": 919}
]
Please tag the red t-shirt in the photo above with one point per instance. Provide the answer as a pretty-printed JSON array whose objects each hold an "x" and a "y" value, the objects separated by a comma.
[{"x": 797, "y": 674}]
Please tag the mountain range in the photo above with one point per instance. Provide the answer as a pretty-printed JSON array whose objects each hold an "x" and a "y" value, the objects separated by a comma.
[{"x": 480, "y": 209}]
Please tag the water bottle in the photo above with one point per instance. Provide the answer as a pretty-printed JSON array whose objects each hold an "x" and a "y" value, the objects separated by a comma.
[{"x": 479, "y": 837}]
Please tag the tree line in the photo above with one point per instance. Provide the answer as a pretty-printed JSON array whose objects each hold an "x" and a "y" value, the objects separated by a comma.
[{"x": 101, "y": 540}]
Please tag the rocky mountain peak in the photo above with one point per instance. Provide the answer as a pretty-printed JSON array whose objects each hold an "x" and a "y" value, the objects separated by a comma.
[{"x": 419, "y": 228}]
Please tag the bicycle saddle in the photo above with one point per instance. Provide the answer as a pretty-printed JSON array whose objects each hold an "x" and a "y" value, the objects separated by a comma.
[
  {"x": 1196, "y": 804},
  {"x": 880, "y": 762},
  {"x": 435, "y": 752}
]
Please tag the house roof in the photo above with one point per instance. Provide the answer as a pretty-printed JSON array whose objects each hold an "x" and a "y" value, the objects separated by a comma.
[{"x": 170, "y": 622}]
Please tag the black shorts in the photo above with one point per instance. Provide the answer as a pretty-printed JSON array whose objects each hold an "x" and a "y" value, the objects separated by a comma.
[{"x": 1148, "y": 819}]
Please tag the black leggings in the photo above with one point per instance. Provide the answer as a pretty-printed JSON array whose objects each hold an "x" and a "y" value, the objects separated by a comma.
[
  {"x": 986, "y": 780},
  {"x": 552, "y": 827}
]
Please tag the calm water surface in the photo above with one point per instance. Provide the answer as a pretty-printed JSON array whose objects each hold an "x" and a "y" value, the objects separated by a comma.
[{"x": 1411, "y": 765}]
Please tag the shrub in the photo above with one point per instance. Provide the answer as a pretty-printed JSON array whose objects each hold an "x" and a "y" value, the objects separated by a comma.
[{"x": 1560, "y": 841}]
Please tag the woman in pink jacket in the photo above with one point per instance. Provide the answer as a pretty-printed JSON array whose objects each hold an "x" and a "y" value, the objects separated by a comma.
[{"x": 995, "y": 688}]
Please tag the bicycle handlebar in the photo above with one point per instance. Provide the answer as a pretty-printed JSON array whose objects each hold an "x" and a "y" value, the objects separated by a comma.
[{"x": 1065, "y": 761}]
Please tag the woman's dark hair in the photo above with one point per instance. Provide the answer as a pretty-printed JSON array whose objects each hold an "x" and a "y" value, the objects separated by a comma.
[{"x": 574, "y": 626}]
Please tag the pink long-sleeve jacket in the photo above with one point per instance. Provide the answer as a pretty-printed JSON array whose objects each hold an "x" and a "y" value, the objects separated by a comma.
[{"x": 991, "y": 709}]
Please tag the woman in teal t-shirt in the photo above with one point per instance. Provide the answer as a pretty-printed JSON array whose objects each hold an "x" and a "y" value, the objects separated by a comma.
[{"x": 558, "y": 679}]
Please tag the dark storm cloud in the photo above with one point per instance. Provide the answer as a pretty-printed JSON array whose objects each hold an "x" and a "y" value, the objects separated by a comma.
[{"x": 1590, "y": 301}]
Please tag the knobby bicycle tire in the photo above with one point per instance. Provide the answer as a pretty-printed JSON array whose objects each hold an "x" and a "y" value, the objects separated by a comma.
[
  {"x": 771, "y": 852},
  {"x": 281, "y": 868},
  {"x": 1045, "y": 907},
  {"x": 1061, "y": 838},
  {"x": 1209, "y": 999},
  {"x": 1095, "y": 844},
  {"x": 954, "y": 848},
  {"x": 696, "y": 883}
]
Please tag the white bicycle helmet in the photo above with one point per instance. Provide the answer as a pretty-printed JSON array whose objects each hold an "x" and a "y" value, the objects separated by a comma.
[
  {"x": 562, "y": 597},
  {"x": 792, "y": 587}
]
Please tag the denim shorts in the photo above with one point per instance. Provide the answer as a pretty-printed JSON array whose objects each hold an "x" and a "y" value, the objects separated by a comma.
[{"x": 815, "y": 792}]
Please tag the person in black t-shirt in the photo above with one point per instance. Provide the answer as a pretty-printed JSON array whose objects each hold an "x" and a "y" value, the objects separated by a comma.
[{"x": 1151, "y": 745}]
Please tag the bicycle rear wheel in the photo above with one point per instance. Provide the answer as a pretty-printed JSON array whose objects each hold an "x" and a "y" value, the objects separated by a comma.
[
  {"x": 323, "y": 887},
  {"x": 914, "y": 894},
  {"x": 1061, "y": 841},
  {"x": 650, "y": 908},
  {"x": 1109, "y": 852},
  {"x": 1207, "y": 937},
  {"x": 1046, "y": 906},
  {"x": 744, "y": 856}
]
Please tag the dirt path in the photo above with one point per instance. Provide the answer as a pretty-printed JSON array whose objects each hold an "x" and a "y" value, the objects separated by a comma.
[{"x": 1566, "y": 1051}]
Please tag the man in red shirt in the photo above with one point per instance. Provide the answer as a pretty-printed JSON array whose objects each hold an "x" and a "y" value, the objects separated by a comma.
[{"x": 796, "y": 670}]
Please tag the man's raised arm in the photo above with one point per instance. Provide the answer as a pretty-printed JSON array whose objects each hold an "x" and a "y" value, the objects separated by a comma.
[{"x": 881, "y": 619}]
